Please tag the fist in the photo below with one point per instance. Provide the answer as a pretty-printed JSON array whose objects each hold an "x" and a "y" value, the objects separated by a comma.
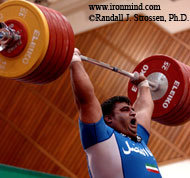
[
  {"x": 76, "y": 55},
  {"x": 138, "y": 78}
]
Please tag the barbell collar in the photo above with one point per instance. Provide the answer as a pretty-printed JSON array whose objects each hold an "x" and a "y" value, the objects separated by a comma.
[
  {"x": 153, "y": 86},
  {"x": 8, "y": 36}
]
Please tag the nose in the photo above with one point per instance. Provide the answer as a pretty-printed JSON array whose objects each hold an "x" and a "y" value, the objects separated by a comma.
[{"x": 132, "y": 113}]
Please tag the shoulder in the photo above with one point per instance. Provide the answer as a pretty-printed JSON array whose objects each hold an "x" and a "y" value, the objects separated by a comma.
[{"x": 94, "y": 133}]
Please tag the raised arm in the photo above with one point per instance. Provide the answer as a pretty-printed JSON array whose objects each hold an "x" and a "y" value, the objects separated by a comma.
[
  {"x": 83, "y": 91},
  {"x": 144, "y": 104}
]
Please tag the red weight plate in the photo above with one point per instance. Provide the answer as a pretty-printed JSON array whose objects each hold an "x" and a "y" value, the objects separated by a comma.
[
  {"x": 186, "y": 105},
  {"x": 38, "y": 73},
  {"x": 183, "y": 115},
  {"x": 176, "y": 116},
  {"x": 64, "y": 48},
  {"x": 72, "y": 43},
  {"x": 180, "y": 105},
  {"x": 186, "y": 117},
  {"x": 176, "y": 82},
  {"x": 63, "y": 66},
  {"x": 70, "y": 50},
  {"x": 51, "y": 67}
]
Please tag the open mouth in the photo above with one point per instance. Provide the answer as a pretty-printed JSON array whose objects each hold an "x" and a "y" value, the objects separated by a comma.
[{"x": 133, "y": 121}]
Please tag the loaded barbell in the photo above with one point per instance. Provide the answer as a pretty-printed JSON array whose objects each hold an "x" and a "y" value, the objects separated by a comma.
[{"x": 37, "y": 44}]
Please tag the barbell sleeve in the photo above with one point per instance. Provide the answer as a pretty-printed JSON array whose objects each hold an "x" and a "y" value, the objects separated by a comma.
[{"x": 153, "y": 85}]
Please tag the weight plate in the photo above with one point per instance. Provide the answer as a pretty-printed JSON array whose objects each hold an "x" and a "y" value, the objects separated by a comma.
[
  {"x": 68, "y": 45},
  {"x": 71, "y": 43},
  {"x": 63, "y": 47},
  {"x": 59, "y": 43},
  {"x": 38, "y": 38},
  {"x": 176, "y": 116},
  {"x": 70, "y": 50},
  {"x": 188, "y": 103},
  {"x": 48, "y": 59},
  {"x": 182, "y": 113},
  {"x": 51, "y": 61},
  {"x": 184, "y": 108},
  {"x": 176, "y": 82}
]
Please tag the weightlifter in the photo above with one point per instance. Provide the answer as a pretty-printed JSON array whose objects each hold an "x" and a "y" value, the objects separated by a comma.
[{"x": 115, "y": 134}]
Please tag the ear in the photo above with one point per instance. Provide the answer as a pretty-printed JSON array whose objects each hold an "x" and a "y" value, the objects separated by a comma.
[{"x": 108, "y": 119}]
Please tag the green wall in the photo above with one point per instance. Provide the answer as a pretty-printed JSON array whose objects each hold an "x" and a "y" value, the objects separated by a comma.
[{"x": 14, "y": 172}]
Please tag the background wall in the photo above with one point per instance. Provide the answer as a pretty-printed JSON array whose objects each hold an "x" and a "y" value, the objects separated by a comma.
[
  {"x": 78, "y": 12},
  {"x": 175, "y": 170},
  {"x": 39, "y": 123}
]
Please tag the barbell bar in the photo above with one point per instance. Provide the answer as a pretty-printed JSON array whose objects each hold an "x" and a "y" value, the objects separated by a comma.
[
  {"x": 37, "y": 45},
  {"x": 154, "y": 86}
]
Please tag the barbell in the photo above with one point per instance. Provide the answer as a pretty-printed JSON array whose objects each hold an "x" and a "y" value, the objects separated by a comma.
[{"x": 37, "y": 44}]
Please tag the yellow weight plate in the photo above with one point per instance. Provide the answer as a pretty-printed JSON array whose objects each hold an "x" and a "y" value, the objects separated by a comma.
[{"x": 38, "y": 38}]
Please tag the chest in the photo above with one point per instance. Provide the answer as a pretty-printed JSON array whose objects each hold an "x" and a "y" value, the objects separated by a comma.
[
  {"x": 137, "y": 159},
  {"x": 131, "y": 148}
]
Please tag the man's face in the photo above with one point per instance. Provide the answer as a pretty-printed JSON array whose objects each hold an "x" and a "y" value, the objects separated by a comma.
[{"x": 124, "y": 119}]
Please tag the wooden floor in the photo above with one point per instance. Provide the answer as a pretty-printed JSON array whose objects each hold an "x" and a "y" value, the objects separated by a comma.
[{"x": 39, "y": 124}]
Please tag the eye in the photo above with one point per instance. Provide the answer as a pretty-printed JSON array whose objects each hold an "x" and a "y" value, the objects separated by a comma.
[{"x": 125, "y": 109}]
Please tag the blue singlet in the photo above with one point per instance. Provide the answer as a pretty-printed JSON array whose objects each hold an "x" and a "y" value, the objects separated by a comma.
[{"x": 113, "y": 155}]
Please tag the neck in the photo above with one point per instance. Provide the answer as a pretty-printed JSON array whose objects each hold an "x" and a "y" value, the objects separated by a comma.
[{"x": 135, "y": 138}]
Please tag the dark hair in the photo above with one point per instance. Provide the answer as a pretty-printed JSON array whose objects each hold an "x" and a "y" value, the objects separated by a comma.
[{"x": 109, "y": 105}]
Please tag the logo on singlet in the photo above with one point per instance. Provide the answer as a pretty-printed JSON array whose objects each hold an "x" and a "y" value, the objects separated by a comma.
[{"x": 142, "y": 151}]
